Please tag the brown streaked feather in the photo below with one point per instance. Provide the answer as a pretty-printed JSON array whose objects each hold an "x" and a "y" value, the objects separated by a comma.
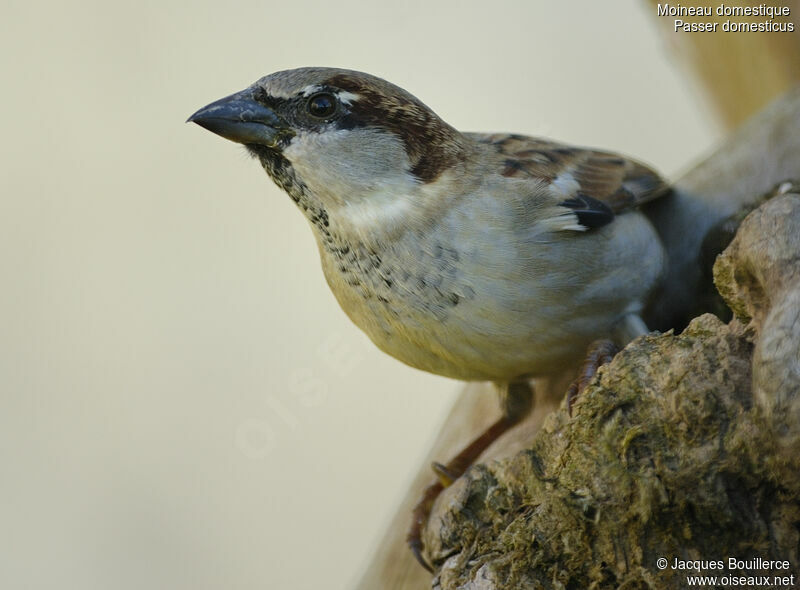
[
  {"x": 432, "y": 145},
  {"x": 617, "y": 181}
]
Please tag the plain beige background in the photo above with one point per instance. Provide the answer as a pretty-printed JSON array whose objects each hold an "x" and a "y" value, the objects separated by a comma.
[{"x": 183, "y": 403}]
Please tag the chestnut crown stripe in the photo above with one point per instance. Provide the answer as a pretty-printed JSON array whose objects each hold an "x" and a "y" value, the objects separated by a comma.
[{"x": 432, "y": 145}]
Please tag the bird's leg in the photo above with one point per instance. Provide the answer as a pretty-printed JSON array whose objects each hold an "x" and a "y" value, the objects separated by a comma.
[
  {"x": 599, "y": 353},
  {"x": 516, "y": 401}
]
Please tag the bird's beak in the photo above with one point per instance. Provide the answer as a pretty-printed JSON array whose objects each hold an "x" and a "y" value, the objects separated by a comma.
[{"x": 240, "y": 118}]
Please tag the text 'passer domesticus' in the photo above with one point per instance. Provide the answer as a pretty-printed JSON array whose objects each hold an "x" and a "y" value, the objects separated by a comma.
[{"x": 475, "y": 256}]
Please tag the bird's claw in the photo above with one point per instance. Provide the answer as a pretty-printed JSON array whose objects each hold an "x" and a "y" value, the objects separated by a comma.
[
  {"x": 598, "y": 354},
  {"x": 445, "y": 474}
]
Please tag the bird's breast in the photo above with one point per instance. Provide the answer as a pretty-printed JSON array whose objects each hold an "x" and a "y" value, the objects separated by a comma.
[
  {"x": 474, "y": 297},
  {"x": 416, "y": 279}
]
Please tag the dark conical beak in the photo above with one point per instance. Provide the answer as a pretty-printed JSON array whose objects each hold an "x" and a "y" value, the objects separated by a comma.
[{"x": 240, "y": 118}]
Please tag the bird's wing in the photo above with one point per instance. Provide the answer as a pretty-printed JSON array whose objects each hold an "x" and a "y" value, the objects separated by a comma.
[{"x": 595, "y": 185}]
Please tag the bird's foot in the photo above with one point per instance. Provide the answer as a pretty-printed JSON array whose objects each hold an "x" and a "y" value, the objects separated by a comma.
[
  {"x": 419, "y": 516},
  {"x": 598, "y": 354},
  {"x": 517, "y": 402}
]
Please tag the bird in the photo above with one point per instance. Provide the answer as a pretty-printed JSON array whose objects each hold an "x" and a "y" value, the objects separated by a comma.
[{"x": 477, "y": 256}]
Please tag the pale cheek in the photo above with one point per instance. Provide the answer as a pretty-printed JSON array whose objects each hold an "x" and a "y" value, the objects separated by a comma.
[
  {"x": 315, "y": 162},
  {"x": 307, "y": 147},
  {"x": 346, "y": 165}
]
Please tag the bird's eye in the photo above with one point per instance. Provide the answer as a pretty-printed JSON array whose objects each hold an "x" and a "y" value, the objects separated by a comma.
[{"x": 321, "y": 105}]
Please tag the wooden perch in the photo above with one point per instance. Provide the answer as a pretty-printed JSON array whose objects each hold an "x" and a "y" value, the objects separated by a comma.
[{"x": 684, "y": 447}]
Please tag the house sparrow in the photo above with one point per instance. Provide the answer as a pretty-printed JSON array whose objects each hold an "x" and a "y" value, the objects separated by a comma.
[{"x": 475, "y": 256}]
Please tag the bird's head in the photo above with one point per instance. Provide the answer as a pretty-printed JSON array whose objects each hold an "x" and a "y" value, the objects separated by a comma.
[{"x": 338, "y": 139}]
